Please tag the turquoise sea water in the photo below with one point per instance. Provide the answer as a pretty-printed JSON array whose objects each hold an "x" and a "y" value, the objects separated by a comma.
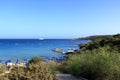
[{"x": 14, "y": 49}]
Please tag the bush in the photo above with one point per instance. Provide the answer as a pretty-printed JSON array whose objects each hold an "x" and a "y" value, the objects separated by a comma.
[
  {"x": 52, "y": 66},
  {"x": 35, "y": 60},
  {"x": 2, "y": 68},
  {"x": 62, "y": 67},
  {"x": 36, "y": 70},
  {"x": 97, "y": 64}
]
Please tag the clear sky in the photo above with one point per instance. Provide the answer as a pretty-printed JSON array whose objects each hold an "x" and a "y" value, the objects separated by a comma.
[{"x": 58, "y": 18}]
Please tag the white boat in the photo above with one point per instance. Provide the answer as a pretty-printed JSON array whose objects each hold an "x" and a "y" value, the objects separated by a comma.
[{"x": 41, "y": 38}]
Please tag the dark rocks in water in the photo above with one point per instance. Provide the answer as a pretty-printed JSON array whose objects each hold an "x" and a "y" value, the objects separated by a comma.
[
  {"x": 57, "y": 50},
  {"x": 69, "y": 51}
]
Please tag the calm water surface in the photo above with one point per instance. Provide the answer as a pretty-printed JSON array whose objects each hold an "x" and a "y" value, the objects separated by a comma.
[{"x": 27, "y": 48}]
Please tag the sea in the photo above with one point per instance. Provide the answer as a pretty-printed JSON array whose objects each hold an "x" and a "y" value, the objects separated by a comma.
[{"x": 21, "y": 49}]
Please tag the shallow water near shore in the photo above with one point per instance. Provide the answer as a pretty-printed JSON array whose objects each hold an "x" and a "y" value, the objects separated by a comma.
[{"x": 14, "y": 49}]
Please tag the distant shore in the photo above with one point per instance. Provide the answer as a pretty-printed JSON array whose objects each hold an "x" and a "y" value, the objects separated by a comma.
[{"x": 91, "y": 37}]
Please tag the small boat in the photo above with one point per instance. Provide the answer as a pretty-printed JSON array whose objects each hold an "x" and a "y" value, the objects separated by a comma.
[{"x": 41, "y": 38}]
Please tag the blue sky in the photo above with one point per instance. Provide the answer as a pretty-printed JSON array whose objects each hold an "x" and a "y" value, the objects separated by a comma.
[{"x": 58, "y": 18}]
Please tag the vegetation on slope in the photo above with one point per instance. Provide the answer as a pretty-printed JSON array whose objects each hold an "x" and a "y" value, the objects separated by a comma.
[
  {"x": 99, "y": 64},
  {"x": 112, "y": 41},
  {"x": 97, "y": 60}
]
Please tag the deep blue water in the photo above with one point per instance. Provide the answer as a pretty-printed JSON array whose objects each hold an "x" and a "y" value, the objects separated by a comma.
[{"x": 27, "y": 48}]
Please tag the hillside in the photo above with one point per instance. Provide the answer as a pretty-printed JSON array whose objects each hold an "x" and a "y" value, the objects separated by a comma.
[
  {"x": 92, "y": 37},
  {"x": 112, "y": 41}
]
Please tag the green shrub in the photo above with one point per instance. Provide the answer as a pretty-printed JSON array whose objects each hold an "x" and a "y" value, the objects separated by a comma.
[
  {"x": 35, "y": 60},
  {"x": 62, "y": 67},
  {"x": 52, "y": 66},
  {"x": 99, "y": 64},
  {"x": 2, "y": 68},
  {"x": 37, "y": 71}
]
